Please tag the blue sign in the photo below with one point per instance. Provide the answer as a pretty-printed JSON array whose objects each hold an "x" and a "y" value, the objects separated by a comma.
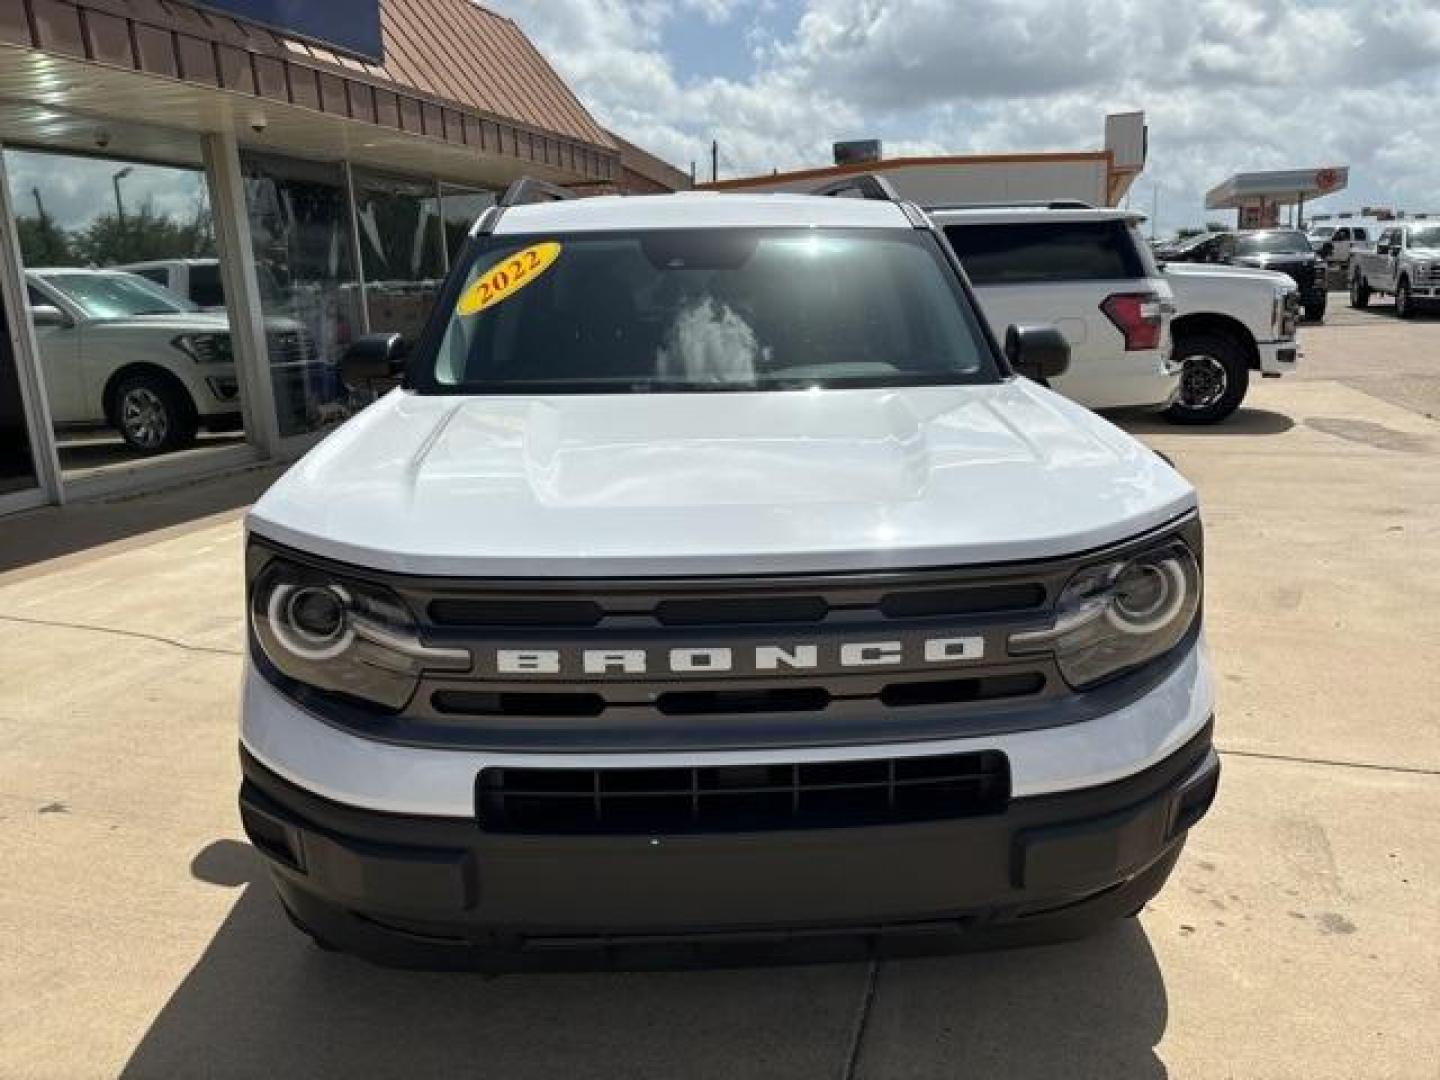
[{"x": 347, "y": 26}]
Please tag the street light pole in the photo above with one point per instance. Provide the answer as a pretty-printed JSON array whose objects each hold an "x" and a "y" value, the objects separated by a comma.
[{"x": 120, "y": 174}]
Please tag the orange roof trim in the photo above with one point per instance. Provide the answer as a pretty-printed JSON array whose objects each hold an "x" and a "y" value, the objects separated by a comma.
[{"x": 885, "y": 164}]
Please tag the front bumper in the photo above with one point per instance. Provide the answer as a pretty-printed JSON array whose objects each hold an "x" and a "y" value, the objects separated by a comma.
[
  {"x": 443, "y": 892},
  {"x": 1278, "y": 358}
]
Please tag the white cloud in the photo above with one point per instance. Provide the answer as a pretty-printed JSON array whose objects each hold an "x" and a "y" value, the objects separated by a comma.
[{"x": 1228, "y": 85}]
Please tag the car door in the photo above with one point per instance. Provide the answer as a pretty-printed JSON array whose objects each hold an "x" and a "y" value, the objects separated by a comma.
[
  {"x": 1381, "y": 270},
  {"x": 1063, "y": 272},
  {"x": 61, "y": 356}
]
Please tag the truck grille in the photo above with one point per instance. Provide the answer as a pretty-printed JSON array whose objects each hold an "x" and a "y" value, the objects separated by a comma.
[
  {"x": 743, "y": 704},
  {"x": 799, "y": 660},
  {"x": 730, "y": 798}
]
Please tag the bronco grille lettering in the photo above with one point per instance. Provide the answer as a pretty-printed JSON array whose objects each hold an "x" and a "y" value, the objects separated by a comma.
[{"x": 701, "y": 660}]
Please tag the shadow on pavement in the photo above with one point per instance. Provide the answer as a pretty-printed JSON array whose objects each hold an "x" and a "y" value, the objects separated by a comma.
[
  {"x": 52, "y": 532},
  {"x": 262, "y": 1001},
  {"x": 1241, "y": 422}
]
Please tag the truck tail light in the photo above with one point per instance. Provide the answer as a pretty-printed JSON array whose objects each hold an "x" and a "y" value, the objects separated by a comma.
[{"x": 1139, "y": 316}]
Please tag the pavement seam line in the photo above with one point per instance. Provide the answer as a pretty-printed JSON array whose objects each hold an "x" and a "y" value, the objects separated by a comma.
[
  {"x": 862, "y": 1021},
  {"x": 140, "y": 634},
  {"x": 1413, "y": 770}
]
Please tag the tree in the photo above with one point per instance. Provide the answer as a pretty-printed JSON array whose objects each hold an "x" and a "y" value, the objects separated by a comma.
[
  {"x": 142, "y": 235},
  {"x": 43, "y": 243}
]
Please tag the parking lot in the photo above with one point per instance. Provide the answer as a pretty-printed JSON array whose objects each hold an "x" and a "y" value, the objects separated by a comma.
[{"x": 1299, "y": 937}]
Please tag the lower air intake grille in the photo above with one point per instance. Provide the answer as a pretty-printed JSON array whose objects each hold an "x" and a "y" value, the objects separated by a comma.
[{"x": 743, "y": 798}]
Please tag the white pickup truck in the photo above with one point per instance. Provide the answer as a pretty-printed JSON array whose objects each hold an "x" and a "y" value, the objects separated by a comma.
[{"x": 1405, "y": 264}]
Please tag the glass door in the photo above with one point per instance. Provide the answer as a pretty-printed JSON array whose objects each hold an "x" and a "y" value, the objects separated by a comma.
[{"x": 17, "y": 456}]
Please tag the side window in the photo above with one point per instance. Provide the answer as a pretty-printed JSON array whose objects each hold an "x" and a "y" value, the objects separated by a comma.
[
  {"x": 1037, "y": 251},
  {"x": 1360, "y": 234},
  {"x": 1225, "y": 246},
  {"x": 1388, "y": 236},
  {"x": 1341, "y": 234},
  {"x": 34, "y": 297},
  {"x": 205, "y": 287}
]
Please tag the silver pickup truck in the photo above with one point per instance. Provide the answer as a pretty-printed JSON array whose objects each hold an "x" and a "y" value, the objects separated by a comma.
[{"x": 1405, "y": 264}]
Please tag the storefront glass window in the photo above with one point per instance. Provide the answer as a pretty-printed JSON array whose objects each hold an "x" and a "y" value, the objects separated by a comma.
[
  {"x": 132, "y": 367},
  {"x": 300, "y": 231},
  {"x": 17, "y": 467},
  {"x": 401, "y": 249},
  {"x": 460, "y": 208}
]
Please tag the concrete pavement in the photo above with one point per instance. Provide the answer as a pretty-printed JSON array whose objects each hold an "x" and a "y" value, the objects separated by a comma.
[{"x": 1300, "y": 936}]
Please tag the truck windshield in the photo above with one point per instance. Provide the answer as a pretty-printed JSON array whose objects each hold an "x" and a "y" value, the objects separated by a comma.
[
  {"x": 694, "y": 310},
  {"x": 1283, "y": 242},
  {"x": 110, "y": 294},
  {"x": 1426, "y": 237}
]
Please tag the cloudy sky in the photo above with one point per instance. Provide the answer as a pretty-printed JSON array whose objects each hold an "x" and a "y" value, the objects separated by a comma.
[{"x": 1227, "y": 85}]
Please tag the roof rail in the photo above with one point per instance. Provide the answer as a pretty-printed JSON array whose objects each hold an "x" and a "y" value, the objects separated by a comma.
[
  {"x": 868, "y": 185},
  {"x": 529, "y": 190},
  {"x": 1020, "y": 204}
]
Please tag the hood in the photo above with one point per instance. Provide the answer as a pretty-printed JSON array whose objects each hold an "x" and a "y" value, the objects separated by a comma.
[
  {"x": 716, "y": 483},
  {"x": 1231, "y": 273}
]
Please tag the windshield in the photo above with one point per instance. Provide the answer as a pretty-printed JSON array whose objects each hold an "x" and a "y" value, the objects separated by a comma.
[
  {"x": 1426, "y": 237},
  {"x": 115, "y": 295},
  {"x": 686, "y": 310},
  {"x": 1279, "y": 242}
]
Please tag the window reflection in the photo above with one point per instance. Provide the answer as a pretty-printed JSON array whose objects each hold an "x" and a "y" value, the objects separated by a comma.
[
  {"x": 402, "y": 250},
  {"x": 131, "y": 366},
  {"x": 310, "y": 294},
  {"x": 461, "y": 208}
]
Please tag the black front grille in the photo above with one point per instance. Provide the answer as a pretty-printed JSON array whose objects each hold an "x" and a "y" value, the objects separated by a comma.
[{"x": 746, "y": 798}]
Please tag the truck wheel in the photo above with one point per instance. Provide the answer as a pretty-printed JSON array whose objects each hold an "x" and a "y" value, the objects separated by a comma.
[
  {"x": 154, "y": 414},
  {"x": 1404, "y": 304},
  {"x": 1315, "y": 312},
  {"x": 1213, "y": 380},
  {"x": 1359, "y": 292}
]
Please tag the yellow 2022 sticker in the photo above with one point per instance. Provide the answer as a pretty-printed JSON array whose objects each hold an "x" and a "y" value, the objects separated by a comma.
[{"x": 507, "y": 277}]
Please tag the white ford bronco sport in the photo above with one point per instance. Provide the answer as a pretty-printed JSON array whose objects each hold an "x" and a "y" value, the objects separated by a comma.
[{"x": 715, "y": 578}]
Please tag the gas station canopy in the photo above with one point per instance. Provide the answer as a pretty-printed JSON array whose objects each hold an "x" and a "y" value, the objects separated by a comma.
[{"x": 1259, "y": 195}]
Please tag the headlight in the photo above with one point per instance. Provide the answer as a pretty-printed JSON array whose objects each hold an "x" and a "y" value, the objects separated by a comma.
[
  {"x": 343, "y": 636},
  {"x": 1115, "y": 616},
  {"x": 205, "y": 348}
]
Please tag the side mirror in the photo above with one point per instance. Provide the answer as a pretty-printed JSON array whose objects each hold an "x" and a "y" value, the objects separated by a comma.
[
  {"x": 1039, "y": 352},
  {"x": 47, "y": 315},
  {"x": 372, "y": 358}
]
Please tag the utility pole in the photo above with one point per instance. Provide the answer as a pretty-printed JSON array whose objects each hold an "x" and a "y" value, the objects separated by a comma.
[
  {"x": 115, "y": 178},
  {"x": 714, "y": 160}
]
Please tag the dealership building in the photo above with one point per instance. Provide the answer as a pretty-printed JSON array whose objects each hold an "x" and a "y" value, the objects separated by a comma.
[
  {"x": 1101, "y": 176},
  {"x": 203, "y": 204}
]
